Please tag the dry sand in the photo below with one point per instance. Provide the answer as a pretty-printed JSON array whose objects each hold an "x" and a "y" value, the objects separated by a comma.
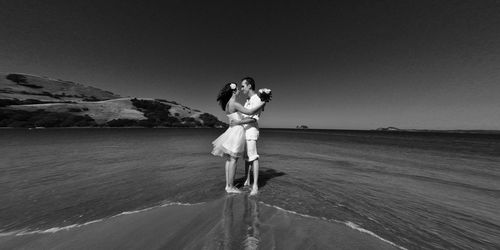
[{"x": 231, "y": 222}]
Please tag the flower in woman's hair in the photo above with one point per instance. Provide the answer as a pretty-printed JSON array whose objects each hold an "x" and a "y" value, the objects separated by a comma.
[
  {"x": 232, "y": 85},
  {"x": 265, "y": 95}
]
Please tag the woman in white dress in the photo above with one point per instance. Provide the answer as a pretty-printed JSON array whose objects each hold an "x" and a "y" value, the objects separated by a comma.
[{"x": 231, "y": 144}]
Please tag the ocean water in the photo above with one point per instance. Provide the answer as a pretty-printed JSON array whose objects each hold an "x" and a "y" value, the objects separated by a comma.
[{"x": 416, "y": 190}]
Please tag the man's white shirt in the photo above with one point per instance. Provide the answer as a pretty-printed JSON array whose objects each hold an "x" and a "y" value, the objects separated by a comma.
[{"x": 252, "y": 129}]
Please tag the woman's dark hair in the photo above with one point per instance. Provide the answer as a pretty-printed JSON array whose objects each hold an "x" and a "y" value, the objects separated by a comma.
[{"x": 225, "y": 94}]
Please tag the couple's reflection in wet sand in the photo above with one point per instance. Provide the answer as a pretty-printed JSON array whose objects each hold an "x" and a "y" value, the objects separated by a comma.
[
  {"x": 241, "y": 223},
  {"x": 240, "y": 226}
]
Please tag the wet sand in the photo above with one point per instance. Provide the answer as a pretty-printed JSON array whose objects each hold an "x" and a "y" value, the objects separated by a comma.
[{"x": 231, "y": 222}]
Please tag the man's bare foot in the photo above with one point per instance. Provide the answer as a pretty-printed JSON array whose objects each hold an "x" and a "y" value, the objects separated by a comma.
[
  {"x": 247, "y": 183},
  {"x": 255, "y": 191},
  {"x": 232, "y": 190}
]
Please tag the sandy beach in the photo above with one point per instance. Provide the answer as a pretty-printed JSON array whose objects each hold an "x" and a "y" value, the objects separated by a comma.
[{"x": 231, "y": 222}]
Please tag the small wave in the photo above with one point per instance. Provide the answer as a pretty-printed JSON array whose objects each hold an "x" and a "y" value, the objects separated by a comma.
[
  {"x": 164, "y": 204},
  {"x": 170, "y": 203},
  {"x": 348, "y": 223},
  {"x": 57, "y": 229},
  {"x": 356, "y": 227},
  {"x": 50, "y": 230}
]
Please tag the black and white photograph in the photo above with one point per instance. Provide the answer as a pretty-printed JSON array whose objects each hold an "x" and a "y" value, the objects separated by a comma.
[{"x": 286, "y": 125}]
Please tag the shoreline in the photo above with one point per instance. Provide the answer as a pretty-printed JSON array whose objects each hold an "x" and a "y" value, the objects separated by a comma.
[
  {"x": 409, "y": 131},
  {"x": 135, "y": 127},
  {"x": 230, "y": 222}
]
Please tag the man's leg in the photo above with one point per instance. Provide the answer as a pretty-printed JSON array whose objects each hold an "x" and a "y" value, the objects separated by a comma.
[
  {"x": 255, "y": 187},
  {"x": 248, "y": 169},
  {"x": 227, "y": 174},
  {"x": 248, "y": 166},
  {"x": 253, "y": 159}
]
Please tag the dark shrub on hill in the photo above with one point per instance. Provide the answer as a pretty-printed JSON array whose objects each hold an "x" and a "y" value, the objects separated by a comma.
[
  {"x": 149, "y": 105},
  {"x": 122, "y": 123},
  {"x": 191, "y": 122},
  {"x": 66, "y": 95},
  {"x": 49, "y": 94},
  {"x": 52, "y": 120},
  {"x": 30, "y": 85},
  {"x": 41, "y": 118},
  {"x": 75, "y": 110},
  {"x": 210, "y": 120},
  {"x": 167, "y": 101},
  {"x": 188, "y": 119},
  {"x": 8, "y": 102},
  {"x": 91, "y": 99},
  {"x": 5, "y": 114},
  {"x": 164, "y": 100},
  {"x": 146, "y": 123},
  {"x": 171, "y": 122},
  {"x": 32, "y": 101},
  {"x": 78, "y": 121},
  {"x": 22, "y": 115},
  {"x": 16, "y": 124},
  {"x": 17, "y": 78},
  {"x": 157, "y": 113}
]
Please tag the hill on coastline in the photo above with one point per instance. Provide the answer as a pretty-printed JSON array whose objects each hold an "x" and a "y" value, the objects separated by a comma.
[{"x": 34, "y": 101}]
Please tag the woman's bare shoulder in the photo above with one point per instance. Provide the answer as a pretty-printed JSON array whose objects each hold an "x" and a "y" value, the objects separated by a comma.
[{"x": 231, "y": 106}]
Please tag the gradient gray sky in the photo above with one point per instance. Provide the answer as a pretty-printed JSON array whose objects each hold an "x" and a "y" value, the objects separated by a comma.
[{"x": 330, "y": 64}]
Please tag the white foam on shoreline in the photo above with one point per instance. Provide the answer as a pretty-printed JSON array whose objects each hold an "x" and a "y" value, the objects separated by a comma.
[
  {"x": 162, "y": 205},
  {"x": 168, "y": 203},
  {"x": 58, "y": 229},
  {"x": 46, "y": 231},
  {"x": 347, "y": 223}
]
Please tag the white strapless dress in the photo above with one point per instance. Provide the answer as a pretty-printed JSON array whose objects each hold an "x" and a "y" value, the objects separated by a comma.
[{"x": 232, "y": 141}]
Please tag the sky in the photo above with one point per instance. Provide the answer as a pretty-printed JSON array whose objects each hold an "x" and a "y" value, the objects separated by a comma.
[{"x": 330, "y": 64}]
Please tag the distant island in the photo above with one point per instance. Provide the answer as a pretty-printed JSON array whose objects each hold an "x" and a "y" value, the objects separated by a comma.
[
  {"x": 388, "y": 129},
  {"x": 465, "y": 131},
  {"x": 28, "y": 101},
  {"x": 302, "y": 127}
]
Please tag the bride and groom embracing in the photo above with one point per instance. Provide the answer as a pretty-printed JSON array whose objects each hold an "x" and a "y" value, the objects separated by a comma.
[{"x": 240, "y": 139}]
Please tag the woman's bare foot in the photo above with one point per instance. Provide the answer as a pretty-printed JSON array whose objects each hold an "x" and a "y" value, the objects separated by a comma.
[
  {"x": 255, "y": 190},
  {"x": 232, "y": 190}
]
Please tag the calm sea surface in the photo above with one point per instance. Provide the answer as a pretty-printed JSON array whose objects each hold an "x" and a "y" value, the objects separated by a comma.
[{"x": 418, "y": 190}]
